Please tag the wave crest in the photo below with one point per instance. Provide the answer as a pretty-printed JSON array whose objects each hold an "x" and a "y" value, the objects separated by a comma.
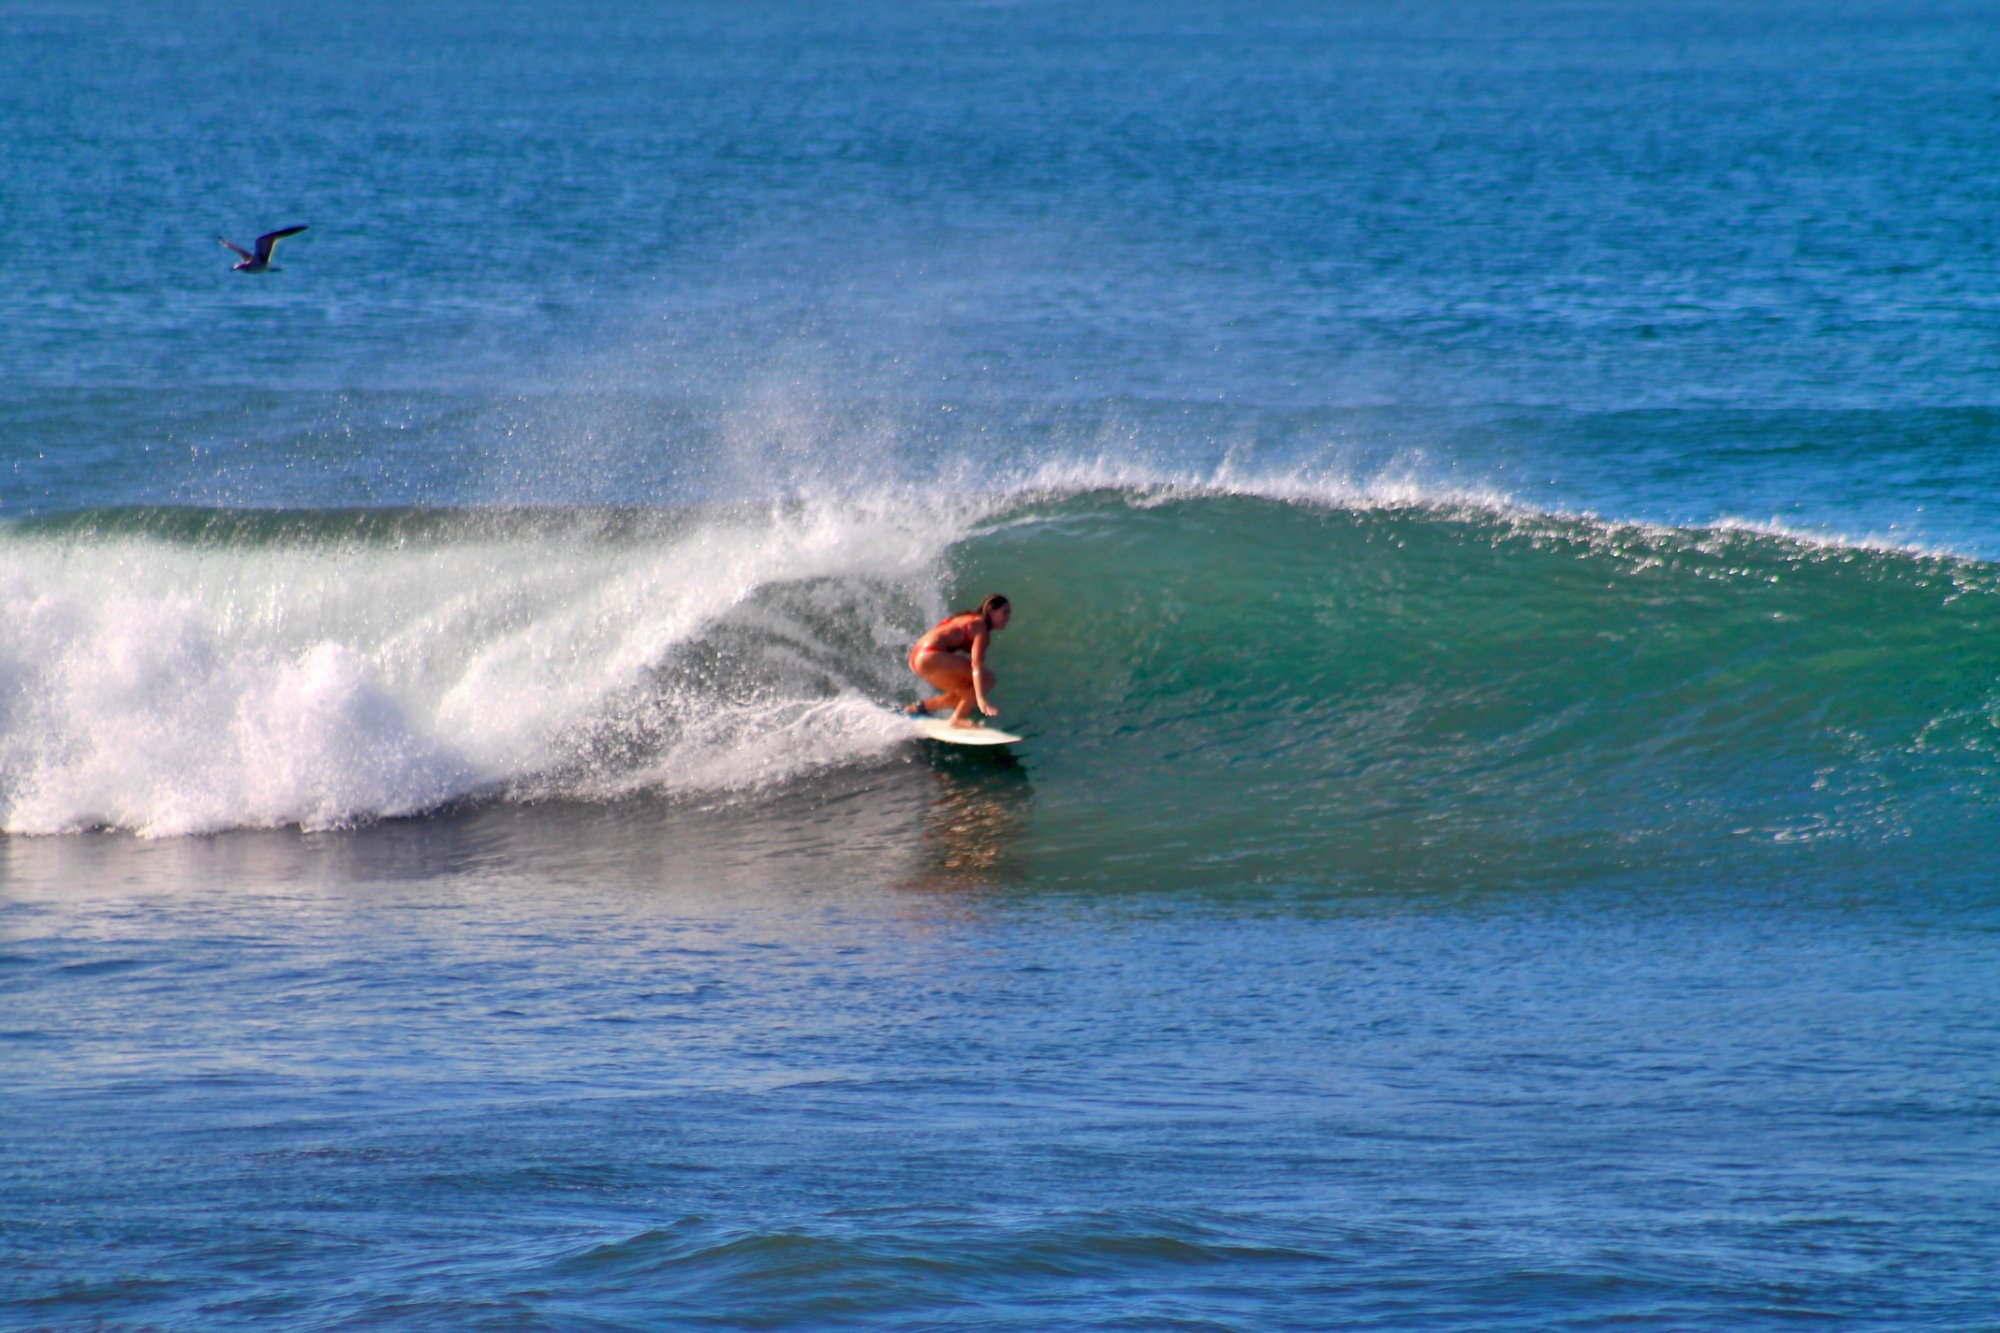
[{"x": 1375, "y": 647}]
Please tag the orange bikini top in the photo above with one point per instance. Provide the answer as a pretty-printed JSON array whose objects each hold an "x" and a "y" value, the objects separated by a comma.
[{"x": 956, "y": 638}]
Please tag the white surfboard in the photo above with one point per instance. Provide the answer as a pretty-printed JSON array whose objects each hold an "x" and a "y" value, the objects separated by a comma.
[{"x": 941, "y": 729}]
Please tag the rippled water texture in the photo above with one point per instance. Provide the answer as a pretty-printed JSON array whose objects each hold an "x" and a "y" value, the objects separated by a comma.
[
  {"x": 1500, "y": 501},
  {"x": 613, "y": 1068}
]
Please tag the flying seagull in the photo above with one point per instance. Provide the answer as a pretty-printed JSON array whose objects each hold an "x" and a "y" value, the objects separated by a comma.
[{"x": 260, "y": 262}]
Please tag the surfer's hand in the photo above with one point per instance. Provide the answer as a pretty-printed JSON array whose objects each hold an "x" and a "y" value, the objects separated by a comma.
[{"x": 988, "y": 709}]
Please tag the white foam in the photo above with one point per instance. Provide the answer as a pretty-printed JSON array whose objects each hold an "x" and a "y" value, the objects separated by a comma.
[
  {"x": 1410, "y": 482},
  {"x": 168, "y": 688}
]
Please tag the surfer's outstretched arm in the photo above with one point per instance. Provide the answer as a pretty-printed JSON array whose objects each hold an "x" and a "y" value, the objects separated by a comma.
[{"x": 980, "y": 675}]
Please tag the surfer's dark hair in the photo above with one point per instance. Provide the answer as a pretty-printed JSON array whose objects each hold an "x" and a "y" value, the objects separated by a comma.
[{"x": 994, "y": 603}]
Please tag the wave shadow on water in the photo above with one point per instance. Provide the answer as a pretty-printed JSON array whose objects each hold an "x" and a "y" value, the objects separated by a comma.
[{"x": 916, "y": 820}]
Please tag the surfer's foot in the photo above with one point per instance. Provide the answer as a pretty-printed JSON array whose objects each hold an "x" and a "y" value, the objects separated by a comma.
[{"x": 917, "y": 709}]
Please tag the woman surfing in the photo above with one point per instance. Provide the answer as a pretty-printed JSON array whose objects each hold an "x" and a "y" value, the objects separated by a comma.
[{"x": 951, "y": 659}]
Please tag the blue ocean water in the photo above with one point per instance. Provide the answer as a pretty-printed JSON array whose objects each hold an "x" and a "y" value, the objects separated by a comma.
[{"x": 1502, "y": 505}]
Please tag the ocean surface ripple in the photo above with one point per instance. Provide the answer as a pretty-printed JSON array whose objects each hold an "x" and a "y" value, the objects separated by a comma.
[{"x": 1502, "y": 503}]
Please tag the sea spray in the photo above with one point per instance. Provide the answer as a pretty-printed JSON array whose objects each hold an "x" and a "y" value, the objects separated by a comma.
[
  {"x": 1346, "y": 664},
  {"x": 332, "y": 668}
]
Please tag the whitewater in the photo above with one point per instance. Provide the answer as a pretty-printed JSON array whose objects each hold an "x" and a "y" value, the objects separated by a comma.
[
  {"x": 180, "y": 671},
  {"x": 1502, "y": 510}
]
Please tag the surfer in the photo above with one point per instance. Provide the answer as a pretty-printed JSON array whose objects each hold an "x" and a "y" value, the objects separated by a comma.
[{"x": 951, "y": 658}]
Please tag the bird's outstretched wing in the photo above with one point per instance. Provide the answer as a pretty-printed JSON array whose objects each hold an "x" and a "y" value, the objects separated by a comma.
[
  {"x": 233, "y": 246},
  {"x": 269, "y": 241}
]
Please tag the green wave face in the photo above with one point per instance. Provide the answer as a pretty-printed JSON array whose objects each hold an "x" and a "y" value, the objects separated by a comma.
[
  {"x": 1217, "y": 688},
  {"x": 1235, "y": 686}
]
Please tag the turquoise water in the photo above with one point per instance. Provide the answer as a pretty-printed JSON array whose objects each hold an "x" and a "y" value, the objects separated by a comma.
[{"x": 1500, "y": 502}]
